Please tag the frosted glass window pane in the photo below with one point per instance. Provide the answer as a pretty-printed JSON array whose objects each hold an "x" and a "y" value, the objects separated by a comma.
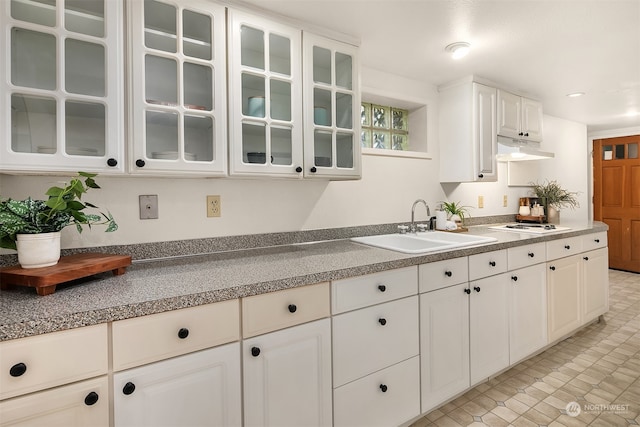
[
  {"x": 197, "y": 31},
  {"x": 381, "y": 139},
  {"x": 254, "y": 143},
  {"x": 323, "y": 148},
  {"x": 380, "y": 116},
  {"x": 41, "y": 12},
  {"x": 85, "y": 68},
  {"x": 365, "y": 114},
  {"x": 198, "y": 138},
  {"x": 85, "y": 17},
  {"x": 33, "y": 59},
  {"x": 161, "y": 80},
  {"x": 607, "y": 152},
  {"x": 344, "y": 150},
  {"x": 399, "y": 142},
  {"x": 344, "y": 67},
  {"x": 344, "y": 111},
  {"x": 321, "y": 65},
  {"x": 160, "y": 26},
  {"x": 33, "y": 124},
  {"x": 162, "y": 135},
  {"x": 322, "y": 107},
  {"x": 253, "y": 92},
  {"x": 252, "y": 51},
  {"x": 365, "y": 138},
  {"x": 279, "y": 54},
  {"x": 85, "y": 129},
  {"x": 280, "y": 100},
  {"x": 281, "y": 142},
  {"x": 400, "y": 119},
  {"x": 198, "y": 86},
  {"x": 633, "y": 151}
]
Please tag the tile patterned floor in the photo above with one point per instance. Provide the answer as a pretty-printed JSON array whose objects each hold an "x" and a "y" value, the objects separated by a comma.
[{"x": 598, "y": 368}]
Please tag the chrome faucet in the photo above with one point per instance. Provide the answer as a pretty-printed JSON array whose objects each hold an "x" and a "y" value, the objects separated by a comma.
[{"x": 412, "y": 227}]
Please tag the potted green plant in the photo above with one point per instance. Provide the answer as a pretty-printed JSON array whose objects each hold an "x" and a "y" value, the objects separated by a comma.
[
  {"x": 25, "y": 225},
  {"x": 553, "y": 197},
  {"x": 455, "y": 211}
]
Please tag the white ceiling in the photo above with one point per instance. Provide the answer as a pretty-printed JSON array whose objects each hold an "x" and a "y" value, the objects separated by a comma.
[{"x": 546, "y": 48}]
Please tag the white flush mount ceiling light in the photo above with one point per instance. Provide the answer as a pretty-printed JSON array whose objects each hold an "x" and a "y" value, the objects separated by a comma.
[
  {"x": 458, "y": 49},
  {"x": 575, "y": 94}
]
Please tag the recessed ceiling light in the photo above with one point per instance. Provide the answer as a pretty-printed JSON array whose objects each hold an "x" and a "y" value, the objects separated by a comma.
[
  {"x": 458, "y": 49},
  {"x": 575, "y": 94}
]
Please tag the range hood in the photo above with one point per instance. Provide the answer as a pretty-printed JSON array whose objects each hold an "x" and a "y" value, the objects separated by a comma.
[{"x": 517, "y": 150}]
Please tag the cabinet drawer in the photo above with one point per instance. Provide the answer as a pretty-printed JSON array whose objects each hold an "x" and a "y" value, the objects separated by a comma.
[
  {"x": 363, "y": 291},
  {"x": 277, "y": 310},
  {"x": 43, "y": 361},
  {"x": 440, "y": 274},
  {"x": 487, "y": 264},
  {"x": 69, "y": 406},
  {"x": 524, "y": 256},
  {"x": 370, "y": 339},
  {"x": 594, "y": 241},
  {"x": 385, "y": 398},
  {"x": 160, "y": 336},
  {"x": 564, "y": 247}
]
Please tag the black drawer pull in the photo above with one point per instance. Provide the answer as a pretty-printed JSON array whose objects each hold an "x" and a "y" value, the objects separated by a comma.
[
  {"x": 91, "y": 398},
  {"x": 476, "y": 288},
  {"x": 292, "y": 308},
  {"x": 552, "y": 268},
  {"x": 382, "y": 288},
  {"x": 492, "y": 263},
  {"x": 18, "y": 369},
  {"x": 531, "y": 254},
  {"x": 467, "y": 291},
  {"x": 567, "y": 247},
  {"x": 129, "y": 388},
  {"x": 384, "y": 388},
  {"x": 255, "y": 351},
  {"x": 183, "y": 333},
  {"x": 586, "y": 258},
  {"x": 596, "y": 240},
  {"x": 448, "y": 273},
  {"x": 514, "y": 278},
  {"x": 382, "y": 321}
]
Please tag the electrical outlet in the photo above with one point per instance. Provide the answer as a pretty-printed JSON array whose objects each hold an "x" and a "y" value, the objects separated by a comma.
[
  {"x": 148, "y": 206},
  {"x": 213, "y": 206},
  {"x": 481, "y": 202},
  {"x": 504, "y": 201}
]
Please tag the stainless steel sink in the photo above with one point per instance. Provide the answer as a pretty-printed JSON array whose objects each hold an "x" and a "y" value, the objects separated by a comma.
[{"x": 423, "y": 242}]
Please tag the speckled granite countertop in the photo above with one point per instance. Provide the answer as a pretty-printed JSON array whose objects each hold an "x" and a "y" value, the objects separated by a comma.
[{"x": 155, "y": 286}]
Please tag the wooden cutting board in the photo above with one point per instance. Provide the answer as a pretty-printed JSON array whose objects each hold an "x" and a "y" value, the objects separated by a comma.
[{"x": 69, "y": 268}]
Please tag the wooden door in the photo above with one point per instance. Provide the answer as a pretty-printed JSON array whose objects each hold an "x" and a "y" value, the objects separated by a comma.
[{"x": 616, "y": 197}]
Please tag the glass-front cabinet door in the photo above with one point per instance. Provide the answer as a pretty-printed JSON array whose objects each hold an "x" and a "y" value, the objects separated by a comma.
[
  {"x": 178, "y": 87},
  {"x": 265, "y": 97},
  {"x": 61, "y": 87},
  {"x": 332, "y": 109}
]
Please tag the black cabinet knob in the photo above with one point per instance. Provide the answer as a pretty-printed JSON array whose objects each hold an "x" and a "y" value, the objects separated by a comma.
[
  {"x": 567, "y": 247},
  {"x": 586, "y": 258},
  {"x": 183, "y": 333},
  {"x": 552, "y": 268},
  {"x": 18, "y": 369},
  {"x": 448, "y": 273},
  {"x": 514, "y": 278},
  {"x": 255, "y": 351},
  {"x": 531, "y": 254},
  {"x": 520, "y": 134},
  {"x": 476, "y": 288},
  {"x": 112, "y": 162},
  {"x": 129, "y": 388},
  {"x": 481, "y": 175},
  {"x": 382, "y": 321},
  {"x": 467, "y": 291},
  {"x": 91, "y": 398},
  {"x": 382, "y": 288},
  {"x": 299, "y": 169},
  {"x": 313, "y": 169},
  {"x": 526, "y": 134},
  {"x": 140, "y": 163},
  {"x": 384, "y": 388},
  {"x": 292, "y": 308},
  {"x": 596, "y": 240},
  {"x": 492, "y": 263}
]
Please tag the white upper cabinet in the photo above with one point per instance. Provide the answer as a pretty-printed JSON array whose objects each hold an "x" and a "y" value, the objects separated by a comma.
[
  {"x": 331, "y": 109},
  {"x": 61, "y": 91},
  {"x": 468, "y": 138},
  {"x": 177, "y": 87},
  {"x": 265, "y": 97},
  {"x": 519, "y": 117}
]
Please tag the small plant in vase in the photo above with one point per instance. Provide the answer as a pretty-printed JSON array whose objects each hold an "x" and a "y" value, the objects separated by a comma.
[
  {"x": 22, "y": 221},
  {"x": 456, "y": 212},
  {"x": 553, "y": 197}
]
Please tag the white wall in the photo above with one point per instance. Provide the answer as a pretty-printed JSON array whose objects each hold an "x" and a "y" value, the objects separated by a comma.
[{"x": 385, "y": 194}]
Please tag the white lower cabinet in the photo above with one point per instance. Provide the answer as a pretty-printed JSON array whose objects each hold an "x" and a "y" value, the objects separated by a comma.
[
  {"x": 197, "y": 389},
  {"x": 287, "y": 377},
  {"x": 527, "y": 311},
  {"x": 81, "y": 404},
  {"x": 563, "y": 296},
  {"x": 488, "y": 326},
  {"x": 444, "y": 344},
  {"x": 595, "y": 284},
  {"x": 387, "y": 397}
]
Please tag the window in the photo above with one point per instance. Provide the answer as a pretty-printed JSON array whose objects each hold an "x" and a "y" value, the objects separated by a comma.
[{"x": 384, "y": 127}]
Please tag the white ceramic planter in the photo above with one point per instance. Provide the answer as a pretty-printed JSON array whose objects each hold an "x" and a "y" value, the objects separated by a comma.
[{"x": 38, "y": 250}]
